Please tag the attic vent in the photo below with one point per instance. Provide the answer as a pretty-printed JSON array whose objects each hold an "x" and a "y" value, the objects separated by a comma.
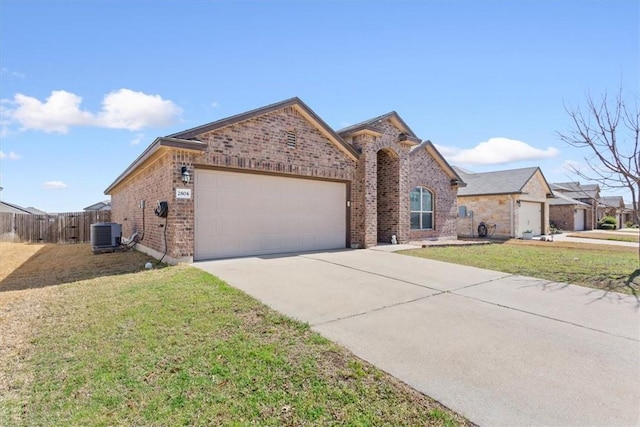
[{"x": 291, "y": 138}]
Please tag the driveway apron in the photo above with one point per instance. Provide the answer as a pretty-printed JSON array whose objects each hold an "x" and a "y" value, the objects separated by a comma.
[{"x": 497, "y": 348}]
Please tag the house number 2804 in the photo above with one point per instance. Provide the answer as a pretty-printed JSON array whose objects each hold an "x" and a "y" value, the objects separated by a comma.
[{"x": 183, "y": 193}]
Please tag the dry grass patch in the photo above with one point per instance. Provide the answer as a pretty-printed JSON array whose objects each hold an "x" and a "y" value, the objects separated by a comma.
[
  {"x": 13, "y": 255},
  {"x": 37, "y": 266}
]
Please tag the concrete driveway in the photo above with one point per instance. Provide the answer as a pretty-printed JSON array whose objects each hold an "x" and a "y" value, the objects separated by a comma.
[{"x": 502, "y": 350}]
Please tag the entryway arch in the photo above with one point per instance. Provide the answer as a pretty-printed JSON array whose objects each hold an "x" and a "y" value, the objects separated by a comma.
[{"x": 388, "y": 194}]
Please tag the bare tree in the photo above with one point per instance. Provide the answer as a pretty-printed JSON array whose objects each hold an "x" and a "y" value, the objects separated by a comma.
[{"x": 609, "y": 130}]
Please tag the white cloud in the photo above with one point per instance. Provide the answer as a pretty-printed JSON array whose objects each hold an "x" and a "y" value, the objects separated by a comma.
[
  {"x": 214, "y": 104},
  {"x": 496, "y": 151},
  {"x": 61, "y": 110},
  {"x": 54, "y": 185},
  {"x": 10, "y": 155},
  {"x": 122, "y": 109},
  {"x": 126, "y": 109}
]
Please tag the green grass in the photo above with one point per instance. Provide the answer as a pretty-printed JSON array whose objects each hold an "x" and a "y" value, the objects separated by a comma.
[
  {"x": 602, "y": 268},
  {"x": 179, "y": 347}
]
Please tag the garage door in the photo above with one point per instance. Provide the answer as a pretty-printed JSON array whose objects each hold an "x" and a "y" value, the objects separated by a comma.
[
  {"x": 240, "y": 214},
  {"x": 531, "y": 217},
  {"x": 578, "y": 219}
]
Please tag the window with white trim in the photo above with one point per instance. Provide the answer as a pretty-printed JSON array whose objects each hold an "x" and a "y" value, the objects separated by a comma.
[{"x": 421, "y": 209}]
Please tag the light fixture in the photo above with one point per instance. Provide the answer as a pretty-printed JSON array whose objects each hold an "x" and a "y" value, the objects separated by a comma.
[
  {"x": 518, "y": 202},
  {"x": 186, "y": 177}
]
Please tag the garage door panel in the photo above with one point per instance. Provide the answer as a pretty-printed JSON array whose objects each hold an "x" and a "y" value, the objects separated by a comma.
[
  {"x": 530, "y": 217},
  {"x": 247, "y": 214}
]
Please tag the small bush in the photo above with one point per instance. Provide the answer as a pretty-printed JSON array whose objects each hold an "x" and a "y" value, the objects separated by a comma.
[
  {"x": 629, "y": 224},
  {"x": 608, "y": 220},
  {"x": 608, "y": 223}
]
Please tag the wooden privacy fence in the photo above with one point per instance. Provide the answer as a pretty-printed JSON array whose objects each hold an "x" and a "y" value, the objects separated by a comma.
[{"x": 72, "y": 227}]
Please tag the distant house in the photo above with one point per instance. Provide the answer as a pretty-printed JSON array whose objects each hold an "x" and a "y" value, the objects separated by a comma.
[
  {"x": 630, "y": 214},
  {"x": 585, "y": 193},
  {"x": 566, "y": 213},
  {"x": 612, "y": 206},
  {"x": 100, "y": 206},
  {"x": 11, "y": 208},
  {"x": 513, "y": 201}
]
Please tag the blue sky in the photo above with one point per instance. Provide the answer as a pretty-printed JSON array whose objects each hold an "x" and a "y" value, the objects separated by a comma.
[{"x": 86, "y": 86}]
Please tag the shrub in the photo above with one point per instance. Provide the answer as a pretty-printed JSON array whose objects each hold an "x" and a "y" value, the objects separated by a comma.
[
  {"x": 608, "y": 220},
  {"x": 607, "y": 223},
  {"x": 629, "y": 224}
]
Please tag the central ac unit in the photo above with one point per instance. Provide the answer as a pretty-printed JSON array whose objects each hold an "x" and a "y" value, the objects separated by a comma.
[{"x": 105, "y": 236}]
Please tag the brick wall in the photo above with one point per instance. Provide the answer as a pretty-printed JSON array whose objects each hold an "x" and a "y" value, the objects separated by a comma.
[
  {"x": 426, "y": 172},
  {"x": 562, "y": 216},
  {"x": 152, "y": 184},
  {"x": 387, "y": 194}
]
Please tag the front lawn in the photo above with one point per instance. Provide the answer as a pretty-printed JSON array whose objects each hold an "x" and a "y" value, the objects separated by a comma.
[
  {"x": 610, "y": 268},
  {"x": 177, "y": 346}
]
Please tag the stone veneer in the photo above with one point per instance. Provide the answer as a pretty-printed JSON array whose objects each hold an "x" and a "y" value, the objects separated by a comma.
[{"x": 502, "y": 210}]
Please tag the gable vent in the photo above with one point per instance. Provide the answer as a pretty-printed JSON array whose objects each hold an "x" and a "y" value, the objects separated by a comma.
[{"x": 291, "y": 139}]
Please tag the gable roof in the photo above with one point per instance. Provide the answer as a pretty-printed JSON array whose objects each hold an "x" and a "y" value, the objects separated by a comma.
[
  {"x": 294, "y": 102},
  {"x": 153, "y": 151},
  {"x": 562, "y": 199},
  {"x": 612, "y": 201},
  {"x": 510, "y": 181},
  {"x": 433, "y": 151},
  {"x": 100, "y": 206},
  {"x": 371, "y": 124},
  {"x": 575, "y": 190},
  {"x": 11, "y": 208}
]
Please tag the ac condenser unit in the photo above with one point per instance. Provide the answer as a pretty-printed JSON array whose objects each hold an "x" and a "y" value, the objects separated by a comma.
[{"x": 105, "y": 236}]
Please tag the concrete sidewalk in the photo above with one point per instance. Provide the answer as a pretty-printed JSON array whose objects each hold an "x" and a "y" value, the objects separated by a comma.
[
  {"x": 566, "y": 238},
  {"x": 497, "y": 348}
]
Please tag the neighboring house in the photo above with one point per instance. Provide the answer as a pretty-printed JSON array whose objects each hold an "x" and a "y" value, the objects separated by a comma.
[
  {"x": 566, "y": 213},
  {"x": 585, "y": 193},
  {"x": 612, "y": 206},
  {"x": 11, "y": 208},
  {"x": 278, "y": 179},
  {"x": 513, "y": 200},
  {"x": 630, "y": 214},
  {"x": 100, "y": 206}
]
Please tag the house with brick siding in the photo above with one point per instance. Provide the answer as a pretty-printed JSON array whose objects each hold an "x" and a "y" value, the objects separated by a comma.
[
  {"x": 584, "y": 193},
  {"x": 567, "y": 214},
  {"x": 507, "y": 202},
  {"x": 278, "y": 179}
]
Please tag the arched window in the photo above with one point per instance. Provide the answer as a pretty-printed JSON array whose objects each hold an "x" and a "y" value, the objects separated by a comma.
[{"x": 421, "y": 209}]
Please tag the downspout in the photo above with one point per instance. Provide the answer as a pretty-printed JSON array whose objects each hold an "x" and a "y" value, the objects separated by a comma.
[{"x": 511, "y": 222}]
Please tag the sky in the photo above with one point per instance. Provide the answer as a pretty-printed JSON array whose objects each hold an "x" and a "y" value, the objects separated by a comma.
[{"x": 86, "y": 86}]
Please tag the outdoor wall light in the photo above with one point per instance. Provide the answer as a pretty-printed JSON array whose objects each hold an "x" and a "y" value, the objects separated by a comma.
[
  {"x": 186, "y": 177},
  {"x": 518, "y": 202}
]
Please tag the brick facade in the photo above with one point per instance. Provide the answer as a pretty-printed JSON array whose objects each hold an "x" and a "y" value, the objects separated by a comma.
[
  {"x": 379, "y": 169},
  {"x": 563, "y": 216}
]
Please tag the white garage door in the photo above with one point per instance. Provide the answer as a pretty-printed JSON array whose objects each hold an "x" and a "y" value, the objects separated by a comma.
[
  {"x": 578, "y": 220},
  {"x": 240, "y": 214},
  {"x": 531, "y": 217}
]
